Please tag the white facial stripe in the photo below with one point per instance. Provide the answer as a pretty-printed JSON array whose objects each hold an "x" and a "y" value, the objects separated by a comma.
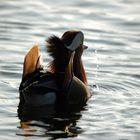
[{"x": 77, "y": 41}]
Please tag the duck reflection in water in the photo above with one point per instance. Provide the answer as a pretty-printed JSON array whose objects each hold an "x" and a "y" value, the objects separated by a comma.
[
  {"x": 48, "y": 122},
  {"x": 62, "y": 89}
]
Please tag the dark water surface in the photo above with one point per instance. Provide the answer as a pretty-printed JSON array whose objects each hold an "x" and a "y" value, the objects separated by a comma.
[{"x": 112, "y": 62}]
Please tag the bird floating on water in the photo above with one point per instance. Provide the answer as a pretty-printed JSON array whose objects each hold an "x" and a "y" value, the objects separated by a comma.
[{"x": 65, "y": 80}]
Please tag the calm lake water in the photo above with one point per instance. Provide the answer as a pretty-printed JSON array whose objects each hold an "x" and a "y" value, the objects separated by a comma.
[{"x": 112, "y": 63}]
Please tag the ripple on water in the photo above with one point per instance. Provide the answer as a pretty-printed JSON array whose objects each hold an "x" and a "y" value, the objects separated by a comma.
[{"x": 112, "y": 64}]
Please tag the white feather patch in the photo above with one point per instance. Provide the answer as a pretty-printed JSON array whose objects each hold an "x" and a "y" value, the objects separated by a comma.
[{"x": 77, "y": 41}]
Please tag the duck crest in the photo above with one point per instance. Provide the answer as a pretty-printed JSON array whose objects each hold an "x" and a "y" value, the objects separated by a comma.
[{"x": 60, "y": 54}]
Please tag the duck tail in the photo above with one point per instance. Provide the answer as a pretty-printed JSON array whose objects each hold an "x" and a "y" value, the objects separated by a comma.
[{"x": 59, "y": 53}]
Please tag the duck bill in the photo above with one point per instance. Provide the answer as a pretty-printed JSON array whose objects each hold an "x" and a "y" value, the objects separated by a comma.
[{"x": 85, "y": 47}]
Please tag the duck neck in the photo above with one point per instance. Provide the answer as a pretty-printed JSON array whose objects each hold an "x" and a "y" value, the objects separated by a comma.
[
  {"x": 79, "y": 70},
  {"x": 56, "y": 68}
]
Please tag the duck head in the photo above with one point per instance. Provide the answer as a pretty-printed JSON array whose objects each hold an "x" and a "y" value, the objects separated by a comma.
[{"x": 73, "y": 41}]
